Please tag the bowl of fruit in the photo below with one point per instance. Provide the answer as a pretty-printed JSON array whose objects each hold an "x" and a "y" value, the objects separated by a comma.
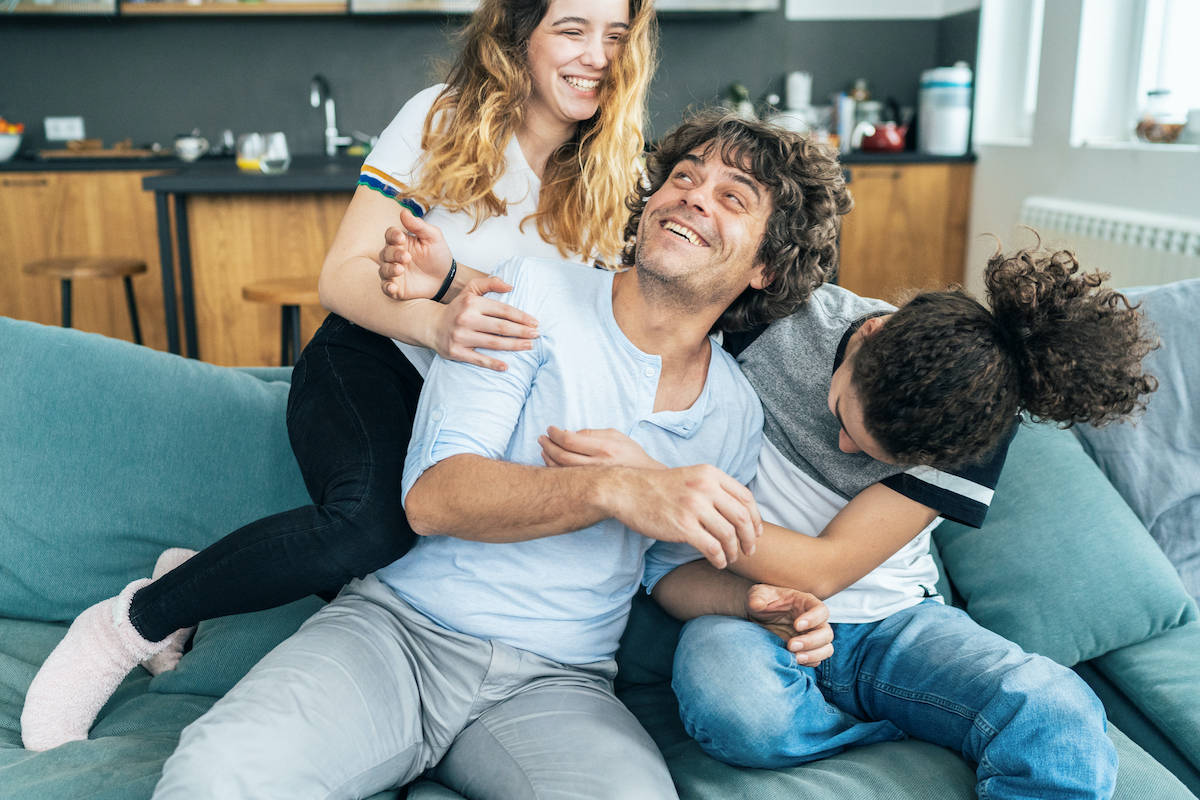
[{"x": 10, "y": 138}]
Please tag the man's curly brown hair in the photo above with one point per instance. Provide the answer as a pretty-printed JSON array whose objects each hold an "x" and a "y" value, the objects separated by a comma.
[
  {"x": 942, "y": 381},
  {"x": 808, "y": 196}
]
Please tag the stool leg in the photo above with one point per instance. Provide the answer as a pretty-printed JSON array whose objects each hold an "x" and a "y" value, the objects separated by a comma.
[
  {"x": 132, "y": 303},
  {"x": 292, "y": 314},
  {"x": 66, "y": 302},
  {"x": 284, "y": 339}
]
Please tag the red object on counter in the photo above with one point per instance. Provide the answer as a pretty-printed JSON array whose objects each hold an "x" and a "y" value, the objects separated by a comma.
[{"x": 887, "y": 138}]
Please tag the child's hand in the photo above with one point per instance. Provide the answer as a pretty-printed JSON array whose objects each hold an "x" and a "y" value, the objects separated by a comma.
[
  {"x": 797, "y": 617},
  {"x": 593, "y": 447},
  {"x": 414, "y": 260}
]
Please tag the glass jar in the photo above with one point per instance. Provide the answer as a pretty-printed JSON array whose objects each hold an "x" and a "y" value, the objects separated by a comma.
[{"x": 1160, "y": 121}]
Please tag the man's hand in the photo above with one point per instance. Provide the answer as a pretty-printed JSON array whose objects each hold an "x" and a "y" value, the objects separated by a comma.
[
  {"x": 414, "y": 260},
  {"x": 699, "y": 505},
  {"x": 799, "y": 618},
  {"x": 606, "y": 447}
]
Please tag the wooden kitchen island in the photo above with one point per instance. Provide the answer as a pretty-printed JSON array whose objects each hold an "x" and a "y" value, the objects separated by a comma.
[
  {"x": 227, "y": 228},
  {"x": 230, "y": 228}
]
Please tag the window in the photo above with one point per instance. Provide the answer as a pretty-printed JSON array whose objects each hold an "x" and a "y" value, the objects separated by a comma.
[
  {"x": 1128, "y": 48},
  {"x": 1170, "y": 58},
  {"x": 1010, "y": 49}
]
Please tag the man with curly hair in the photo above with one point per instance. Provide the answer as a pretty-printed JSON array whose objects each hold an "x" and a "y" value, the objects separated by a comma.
[{"x": 486, "y": 652}]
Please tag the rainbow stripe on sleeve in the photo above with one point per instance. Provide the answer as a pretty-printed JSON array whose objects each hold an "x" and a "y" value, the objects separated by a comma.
[{"x": 386, "y": 185}]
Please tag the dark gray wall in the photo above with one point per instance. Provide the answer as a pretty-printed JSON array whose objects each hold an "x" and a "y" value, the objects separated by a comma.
[
  {"x": 150, "y": 79},
  {"x": 958, "y": 38}
]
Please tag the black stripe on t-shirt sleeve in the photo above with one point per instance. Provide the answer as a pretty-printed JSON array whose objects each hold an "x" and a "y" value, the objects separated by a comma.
[
  {"x": 950, "y": 504},
  {"x": 946, "y": 503}
]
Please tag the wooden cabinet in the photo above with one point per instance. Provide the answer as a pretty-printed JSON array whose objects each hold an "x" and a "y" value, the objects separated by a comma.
[
  {"x": 908, "y": 229},
  {"x": 235, "y": 239},
  {"x": 47, "y": 214}
]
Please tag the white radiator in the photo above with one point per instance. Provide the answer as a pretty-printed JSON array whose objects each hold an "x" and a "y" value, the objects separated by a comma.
[{"x": 1137, "y": 248}]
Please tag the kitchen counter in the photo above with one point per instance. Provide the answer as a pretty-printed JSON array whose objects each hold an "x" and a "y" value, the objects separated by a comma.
[
  {"x": 306, "y": 174},
  {"x": 311, "y": 173},
  {"x": 904, "y": 157},
  {"x": 90, "y": 164},
  {"x": 315, "y": 173}
]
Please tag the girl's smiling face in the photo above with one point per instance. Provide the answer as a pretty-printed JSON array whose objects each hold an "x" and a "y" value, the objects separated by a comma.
[{"x": 569, "y": 54}]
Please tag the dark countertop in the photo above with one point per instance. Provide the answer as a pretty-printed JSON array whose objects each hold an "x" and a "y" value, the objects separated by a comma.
[
  {"x": 903, "y": 157},
  {"x": 306, "y": 174},
  {"x": 88, "y": 164},
  {"x": 312, "y": 173}
]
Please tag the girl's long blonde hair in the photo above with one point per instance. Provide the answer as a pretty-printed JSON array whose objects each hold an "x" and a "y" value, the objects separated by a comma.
[{"x": 587, "y": 180}]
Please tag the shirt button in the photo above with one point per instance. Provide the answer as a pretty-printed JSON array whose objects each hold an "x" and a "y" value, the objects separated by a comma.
[
  {"x": 436, "y": 415},
  {"x": 650, "y": 371}
]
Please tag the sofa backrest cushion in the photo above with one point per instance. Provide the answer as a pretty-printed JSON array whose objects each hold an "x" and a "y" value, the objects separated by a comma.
[
  {"x": 1062, "y": 566},
  {"x": 1155, "y": 463},
  {"x": 110, "y": 452}
]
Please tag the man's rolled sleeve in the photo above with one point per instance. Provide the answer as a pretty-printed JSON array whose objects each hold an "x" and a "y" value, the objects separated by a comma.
[{"x": 468, "y": 409}]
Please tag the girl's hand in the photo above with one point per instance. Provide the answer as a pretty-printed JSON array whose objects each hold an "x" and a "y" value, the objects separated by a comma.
[
  {"x": 414, "y": 260},
  {"x": 589, "y": 447},
  {"x": 471, "y": 321}
]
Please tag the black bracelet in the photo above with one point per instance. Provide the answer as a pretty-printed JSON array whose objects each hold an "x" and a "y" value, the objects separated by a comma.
[{"x": 446, "y": 283}]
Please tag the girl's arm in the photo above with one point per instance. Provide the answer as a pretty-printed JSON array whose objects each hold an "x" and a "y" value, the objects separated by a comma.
[
  {"x": 349, "y": 286},
  {"x": 872, "y": 527}
]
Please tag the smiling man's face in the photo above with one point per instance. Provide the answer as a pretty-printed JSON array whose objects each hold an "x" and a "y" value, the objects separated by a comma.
[{"x": 701, "y": 231}]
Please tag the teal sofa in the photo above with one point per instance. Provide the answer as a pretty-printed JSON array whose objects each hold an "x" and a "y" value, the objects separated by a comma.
[{"x": 111, "y": 452}]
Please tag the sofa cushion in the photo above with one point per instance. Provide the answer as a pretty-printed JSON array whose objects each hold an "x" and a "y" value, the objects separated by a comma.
[
  {"x": 113, "y": 452},
  {"x": 1161, "y": 678},
  {"x": 1062, "y": 566},
  {"x": 905, "y": 770},
  {"x": 1155, "y": 463},
  {"x": 224, "y": 649},
  {"x": 134, "y": 733}
]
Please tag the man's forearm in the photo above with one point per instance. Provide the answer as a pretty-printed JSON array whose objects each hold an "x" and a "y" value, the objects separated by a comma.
[
  {"x": 697, "y": 588},
  {"x": 472, "y": 497}
]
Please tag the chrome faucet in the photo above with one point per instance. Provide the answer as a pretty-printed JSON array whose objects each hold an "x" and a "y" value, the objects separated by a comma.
[{"x": 318, "y": 93}]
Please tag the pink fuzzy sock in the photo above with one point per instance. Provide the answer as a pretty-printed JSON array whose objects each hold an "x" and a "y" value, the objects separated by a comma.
[
  {"x": 83, "y": 671},
  {"x": 168, "y": 657}
]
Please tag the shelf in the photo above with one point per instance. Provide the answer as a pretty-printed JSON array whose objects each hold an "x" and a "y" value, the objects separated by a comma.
[
  {"x": 61, "y": 7},
  {"x": 413, "y": 6},
  {"x": 173, "y": 8}
]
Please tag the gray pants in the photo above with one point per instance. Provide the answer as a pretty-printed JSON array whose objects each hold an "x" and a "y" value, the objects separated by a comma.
[{"x": 369, "y": 694}]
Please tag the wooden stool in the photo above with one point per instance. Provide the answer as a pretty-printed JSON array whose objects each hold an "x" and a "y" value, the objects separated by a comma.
[
  {"x": 290, "y": 294},
  {"x": 67, "y": 268}
]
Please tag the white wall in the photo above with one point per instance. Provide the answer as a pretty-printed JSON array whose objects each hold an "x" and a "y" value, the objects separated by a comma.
[
  {"x": 1152, "y": 180},
  {"x": 877, "y": 9}
]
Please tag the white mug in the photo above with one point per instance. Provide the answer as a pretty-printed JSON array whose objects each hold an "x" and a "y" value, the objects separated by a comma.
[{"x": 190, "y": 148}]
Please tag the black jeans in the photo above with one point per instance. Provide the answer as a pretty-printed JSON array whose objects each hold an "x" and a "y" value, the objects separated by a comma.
[{"x": 349, "y": 418}]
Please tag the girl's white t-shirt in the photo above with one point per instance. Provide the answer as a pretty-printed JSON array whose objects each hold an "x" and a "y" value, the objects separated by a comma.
[
  {"x": 788, "y": 497},
  {"x": 396, "y": 162}
]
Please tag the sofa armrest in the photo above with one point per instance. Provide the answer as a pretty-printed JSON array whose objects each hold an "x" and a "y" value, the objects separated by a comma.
[{"x": 1160, "y": 677}]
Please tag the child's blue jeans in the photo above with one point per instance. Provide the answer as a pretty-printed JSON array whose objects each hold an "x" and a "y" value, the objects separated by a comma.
[{"x": 1033, "y": 727}]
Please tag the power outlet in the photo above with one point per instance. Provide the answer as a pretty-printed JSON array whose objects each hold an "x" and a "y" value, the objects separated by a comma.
[{"x": 64, "y": 129}]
